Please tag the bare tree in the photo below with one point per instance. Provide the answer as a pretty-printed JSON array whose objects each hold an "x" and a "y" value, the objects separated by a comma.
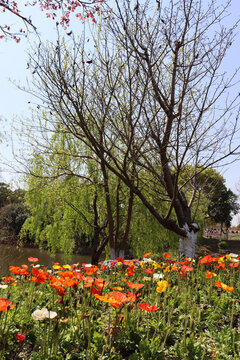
[{"x": 148, "y": 98}]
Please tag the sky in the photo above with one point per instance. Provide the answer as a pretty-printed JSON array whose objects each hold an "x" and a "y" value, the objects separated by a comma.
[{"x": 14, "y": 103}]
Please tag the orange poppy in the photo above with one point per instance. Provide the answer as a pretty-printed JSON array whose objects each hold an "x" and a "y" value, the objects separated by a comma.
[
  {"x": 5, "y": 304},
  {"x": 146, "y": 255},
  {"x": 10, "y": 280},
  {"x": 116, "y": 298},
  {"x": 206, "y": 259},
  {"x": 40, "y": 276},
  {"x": 210, "y": 274},
  {"x": 135, "y": 286},
  {"x": 57, "y": 284},
  {"x": 100, "y": 283},
  {"x": 66, "y": 275},
  {"x": 17, "y": 270},
  {"x": 223, "y": 286}
]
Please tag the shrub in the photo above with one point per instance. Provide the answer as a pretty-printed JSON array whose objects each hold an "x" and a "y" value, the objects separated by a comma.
[{"x": 223, "y": 245}]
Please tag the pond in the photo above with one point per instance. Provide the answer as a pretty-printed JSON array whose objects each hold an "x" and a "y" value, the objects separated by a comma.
[{"x": 11, "y": 255}]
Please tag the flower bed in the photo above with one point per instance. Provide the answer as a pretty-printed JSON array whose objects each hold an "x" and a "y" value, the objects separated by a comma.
[{"x": 138, "y": 309}]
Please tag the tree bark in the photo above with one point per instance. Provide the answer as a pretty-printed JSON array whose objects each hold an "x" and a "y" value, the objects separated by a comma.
[{"x": 187, "y": 245}]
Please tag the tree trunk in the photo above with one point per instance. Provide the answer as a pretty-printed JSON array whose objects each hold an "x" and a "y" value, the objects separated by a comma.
[
  {"x": 110, "y": 221},
  {"x": 227, "y": 231},
  {"x": 187, "y": 245},
  {"x": 113, "y": 253},
  {"x": 97, "y": 251},
  {"x": 221, "y": 230},
  {"x": 122, "y": 253},
  {"x": 127, "y": 228},
  {"x": 98, "y": 244}
]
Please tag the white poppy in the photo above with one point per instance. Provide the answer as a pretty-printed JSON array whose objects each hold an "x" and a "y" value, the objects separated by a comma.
[
  {"x": 3, "y": 286},
  {"x": 43, "y": 314},
  {"x": 158, "y": 276}
]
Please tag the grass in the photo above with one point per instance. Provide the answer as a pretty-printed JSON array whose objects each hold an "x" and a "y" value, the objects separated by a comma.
[{"x": 146, "y": 309}]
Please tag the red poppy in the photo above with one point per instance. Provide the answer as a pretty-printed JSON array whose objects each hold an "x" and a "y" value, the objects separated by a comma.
[
  {"x": 20, "y": 337},
  {"x": 187, "y": 268},
  {"x": 147, "y": 307},
  {"x": 149, "y": 271},
  {"x": 166, "y": 255},
  {"x": 94, "y": 291},
  {"x": 33, "y": 259},
  {"x": 130, "y": 270},
  {"x": 79, "y": 276},
  {"x": 232, "y": 265},
  {"x": 220, "y": 266}
]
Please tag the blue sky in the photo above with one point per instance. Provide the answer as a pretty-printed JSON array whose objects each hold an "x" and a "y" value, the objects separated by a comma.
[{"x": 14, "y": 102}]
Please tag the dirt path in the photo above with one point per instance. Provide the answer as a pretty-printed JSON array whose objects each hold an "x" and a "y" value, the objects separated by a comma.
[{"x": 210, "y": 246}]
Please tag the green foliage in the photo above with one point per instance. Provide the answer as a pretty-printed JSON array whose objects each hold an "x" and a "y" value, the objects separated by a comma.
[
  {"x": 54, "y": 223},
  {"x": 223, "y": 245},
  {"x": 13, "y": 217},
  {"x": 13, "y": 212},
  {"x": 62, "y": 186},
  {"x": 223, "y": 206},
  {"x": 7, "y": 195},
  {"x": 145, "y": 226}
]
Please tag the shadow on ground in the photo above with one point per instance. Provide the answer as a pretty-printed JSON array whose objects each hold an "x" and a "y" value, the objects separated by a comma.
[{"x": 210, "y": 246}]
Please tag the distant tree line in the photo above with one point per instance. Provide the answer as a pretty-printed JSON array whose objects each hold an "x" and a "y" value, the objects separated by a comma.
[
  {"x": 70, "y": 214},
  {"x": 13, "y": 212}
]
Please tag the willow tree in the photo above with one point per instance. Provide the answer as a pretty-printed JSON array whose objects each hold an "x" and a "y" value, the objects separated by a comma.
[
  {"x": 147, "y": 95},
  {"x": 71, "y": 195}
]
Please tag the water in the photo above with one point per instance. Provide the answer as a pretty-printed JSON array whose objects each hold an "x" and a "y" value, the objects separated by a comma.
[{"x": 10, "y": 255}]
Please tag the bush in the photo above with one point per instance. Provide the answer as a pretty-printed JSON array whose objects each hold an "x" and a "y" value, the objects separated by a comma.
[
  {"x": 223, "y": 245},
  {"x": 12, "y": 217}
]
